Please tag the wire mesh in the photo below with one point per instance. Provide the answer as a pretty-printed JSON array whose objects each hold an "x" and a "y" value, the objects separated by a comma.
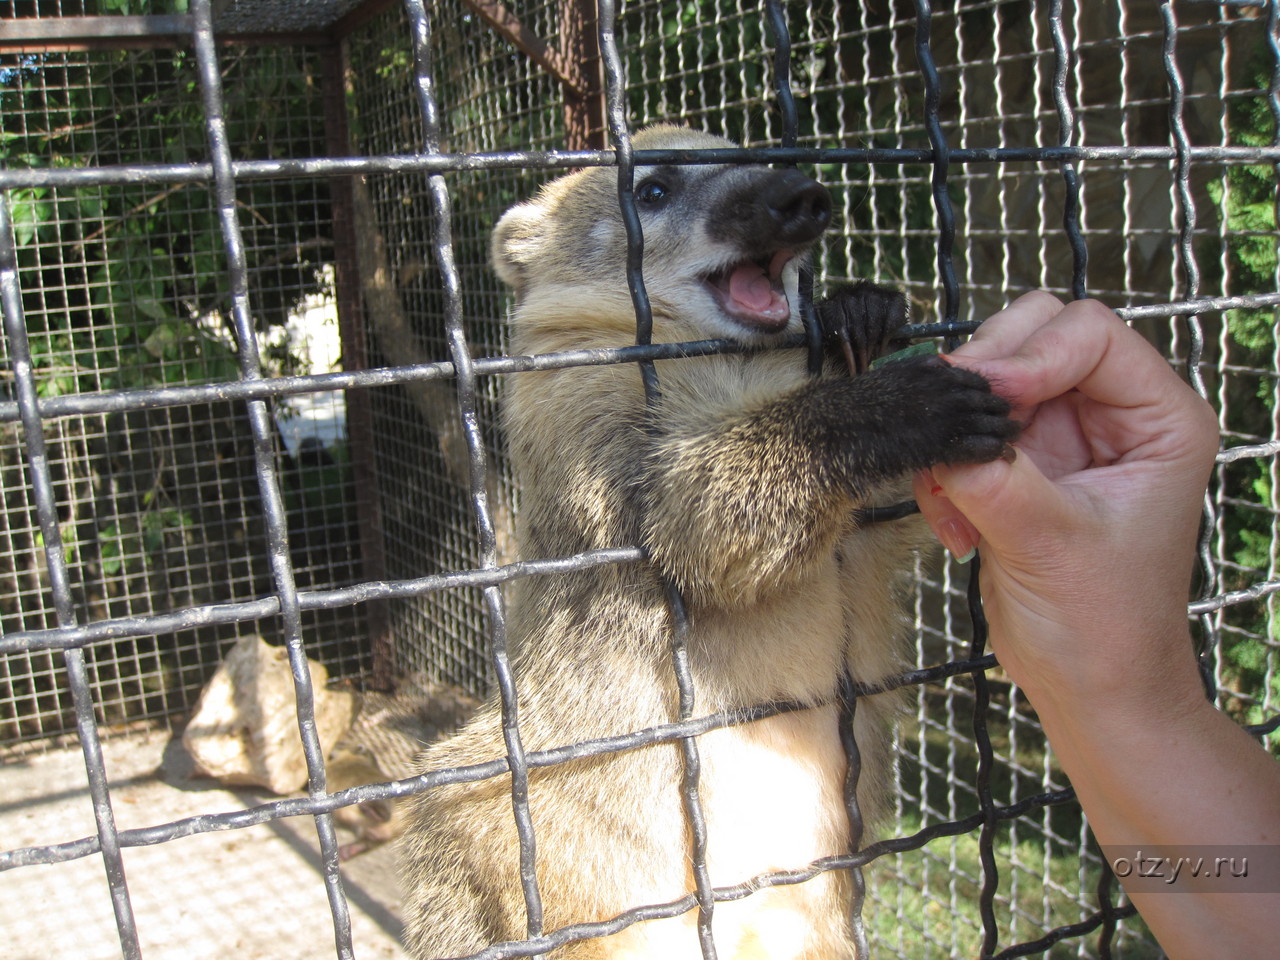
[
  {"x": 489, "y": 100},
  {"x": 1123, "y": 151},
  {"x": 124, "y": 286}
]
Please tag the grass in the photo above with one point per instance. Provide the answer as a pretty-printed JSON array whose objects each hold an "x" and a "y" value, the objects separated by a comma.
[{"x": 924, "y": 904}]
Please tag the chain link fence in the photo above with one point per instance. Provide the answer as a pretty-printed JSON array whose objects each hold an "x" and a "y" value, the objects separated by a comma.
[{"x": 254, "y": 352}]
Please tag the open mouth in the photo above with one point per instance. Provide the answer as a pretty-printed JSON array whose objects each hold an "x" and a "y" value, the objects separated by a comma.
[{"x": 751, "y": 292}]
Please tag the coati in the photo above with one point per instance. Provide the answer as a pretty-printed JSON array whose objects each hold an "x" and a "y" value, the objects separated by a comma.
[
  {"x": 742, "y": 482},
  {"x": 383, "y": 742}
]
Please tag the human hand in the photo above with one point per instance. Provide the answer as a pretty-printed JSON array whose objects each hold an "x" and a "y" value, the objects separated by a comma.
[{"x": 1088, "y": 535}]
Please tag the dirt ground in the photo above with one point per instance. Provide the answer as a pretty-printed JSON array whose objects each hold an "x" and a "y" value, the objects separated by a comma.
[{"x": 252, "y": 894}]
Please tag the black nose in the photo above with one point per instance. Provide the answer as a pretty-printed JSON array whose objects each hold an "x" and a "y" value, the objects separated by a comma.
[{"x": 800, "y": 208}]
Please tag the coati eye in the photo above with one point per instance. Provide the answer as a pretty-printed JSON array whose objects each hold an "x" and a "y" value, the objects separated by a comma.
[{"x": 652, "y": 191}]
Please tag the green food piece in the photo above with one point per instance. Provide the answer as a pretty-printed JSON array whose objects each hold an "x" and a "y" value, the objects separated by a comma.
[{"x": 915, "y": 350}]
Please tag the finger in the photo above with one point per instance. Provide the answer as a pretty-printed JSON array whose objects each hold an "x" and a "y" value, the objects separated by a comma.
[
  {"x": 949, "y": 525},
  {"x": 1085, "y": 347},
  {"x": 1002, "y": 333}
]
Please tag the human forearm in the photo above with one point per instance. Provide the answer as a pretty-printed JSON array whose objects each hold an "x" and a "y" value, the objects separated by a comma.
[
  {"x": 1159, "y": 770},
  {"x": 1087, "y": 539},
  {"x": 1162, "y": 766}
]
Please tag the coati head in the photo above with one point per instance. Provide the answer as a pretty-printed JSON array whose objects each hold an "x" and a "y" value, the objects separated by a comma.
[{"x": 723, "y": 244}]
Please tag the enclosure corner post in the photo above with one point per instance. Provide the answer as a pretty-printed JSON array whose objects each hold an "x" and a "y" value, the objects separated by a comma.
[
  {"x": 336, "y": 74},
  {"x": 584, "y": 107}
]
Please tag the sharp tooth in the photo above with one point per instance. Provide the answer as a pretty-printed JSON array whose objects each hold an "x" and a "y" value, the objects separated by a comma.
[{"x": 779, "y": 263}]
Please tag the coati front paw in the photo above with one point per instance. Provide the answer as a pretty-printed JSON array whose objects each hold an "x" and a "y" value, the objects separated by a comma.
[
  {"x": 859, "y": 322},
  {"x": 949, "y": 414}
]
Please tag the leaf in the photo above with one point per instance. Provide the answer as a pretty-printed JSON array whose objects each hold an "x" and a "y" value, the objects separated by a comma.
[
  {"x": 28, "y": 213},
  {"x": 109, "y": 550},
  {"x": 153, "y": 308},
  {"x": 172, "y": 340},
  {"x": 155, "y": 525}
]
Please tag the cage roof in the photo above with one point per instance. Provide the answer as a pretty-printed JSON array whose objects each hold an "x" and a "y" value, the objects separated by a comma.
[
  {"x": 75, "y": 21},
  {"x": 280, "y": 16}
]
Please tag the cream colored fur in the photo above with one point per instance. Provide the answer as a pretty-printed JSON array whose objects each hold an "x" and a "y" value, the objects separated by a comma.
[{"x": 783, "y": 590}]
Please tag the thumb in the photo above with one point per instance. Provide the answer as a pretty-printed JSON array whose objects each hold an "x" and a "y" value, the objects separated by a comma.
[{"x": 1013, "y": 506}]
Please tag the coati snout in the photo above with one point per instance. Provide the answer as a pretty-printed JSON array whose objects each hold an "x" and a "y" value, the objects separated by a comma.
[
  {"x": 771, "y": 217},
  {"x": 723, "y": 243},
  {"x": 780, "y": 207}
]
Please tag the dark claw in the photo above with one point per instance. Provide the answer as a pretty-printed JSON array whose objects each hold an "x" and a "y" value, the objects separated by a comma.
[{"x": 859, "y": 322}]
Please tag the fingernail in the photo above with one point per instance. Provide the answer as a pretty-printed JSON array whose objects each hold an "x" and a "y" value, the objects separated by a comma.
[
  {"x": 935, "y": 488},
  {"x": 957, "y": 539}
]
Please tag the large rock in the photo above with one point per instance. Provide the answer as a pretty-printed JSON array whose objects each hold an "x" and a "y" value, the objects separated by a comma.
[{"x": 245, "y": 727}]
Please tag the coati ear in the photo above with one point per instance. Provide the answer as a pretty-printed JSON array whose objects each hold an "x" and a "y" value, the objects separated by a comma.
[{"x": 516, "y": 243}]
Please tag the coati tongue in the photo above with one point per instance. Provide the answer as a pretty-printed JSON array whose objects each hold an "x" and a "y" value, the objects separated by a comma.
[{"x": 753, "y": 294}]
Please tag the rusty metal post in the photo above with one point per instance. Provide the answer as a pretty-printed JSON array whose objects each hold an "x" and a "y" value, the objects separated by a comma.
[
  {"x": 351, "y": 326},
  {"x": 584, "y": 106}
]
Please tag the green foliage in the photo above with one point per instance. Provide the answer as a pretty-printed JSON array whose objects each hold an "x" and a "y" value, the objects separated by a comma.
[
  {"x": 931, "y": 898},
  {"x": 126, "y": 286},
  {"x": 129, "y": 542},
  {"x": 1246, "y": 197},
  {"x": 924, "y": 902},
  {"x": 136, "y": 7},
  {"x": 1248, "y": 201}
]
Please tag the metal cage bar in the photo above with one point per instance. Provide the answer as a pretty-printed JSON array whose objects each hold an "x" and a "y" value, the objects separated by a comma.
[
  {"x": 689, "y": 789},
  {"x": 264, "y": 457},
  {"x": 1071, "y": 154},
  {"x": 108, "y": 840},
  {"x": 420, "y": 24}
]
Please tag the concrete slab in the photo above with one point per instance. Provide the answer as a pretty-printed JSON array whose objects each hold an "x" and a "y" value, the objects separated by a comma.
[{"x": 252, "y": 894}]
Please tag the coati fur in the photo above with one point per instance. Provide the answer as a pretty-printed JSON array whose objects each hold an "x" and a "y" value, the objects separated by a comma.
[
  {"x": 743, "y": 483},
  {"x": 383, "y": 744}
]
